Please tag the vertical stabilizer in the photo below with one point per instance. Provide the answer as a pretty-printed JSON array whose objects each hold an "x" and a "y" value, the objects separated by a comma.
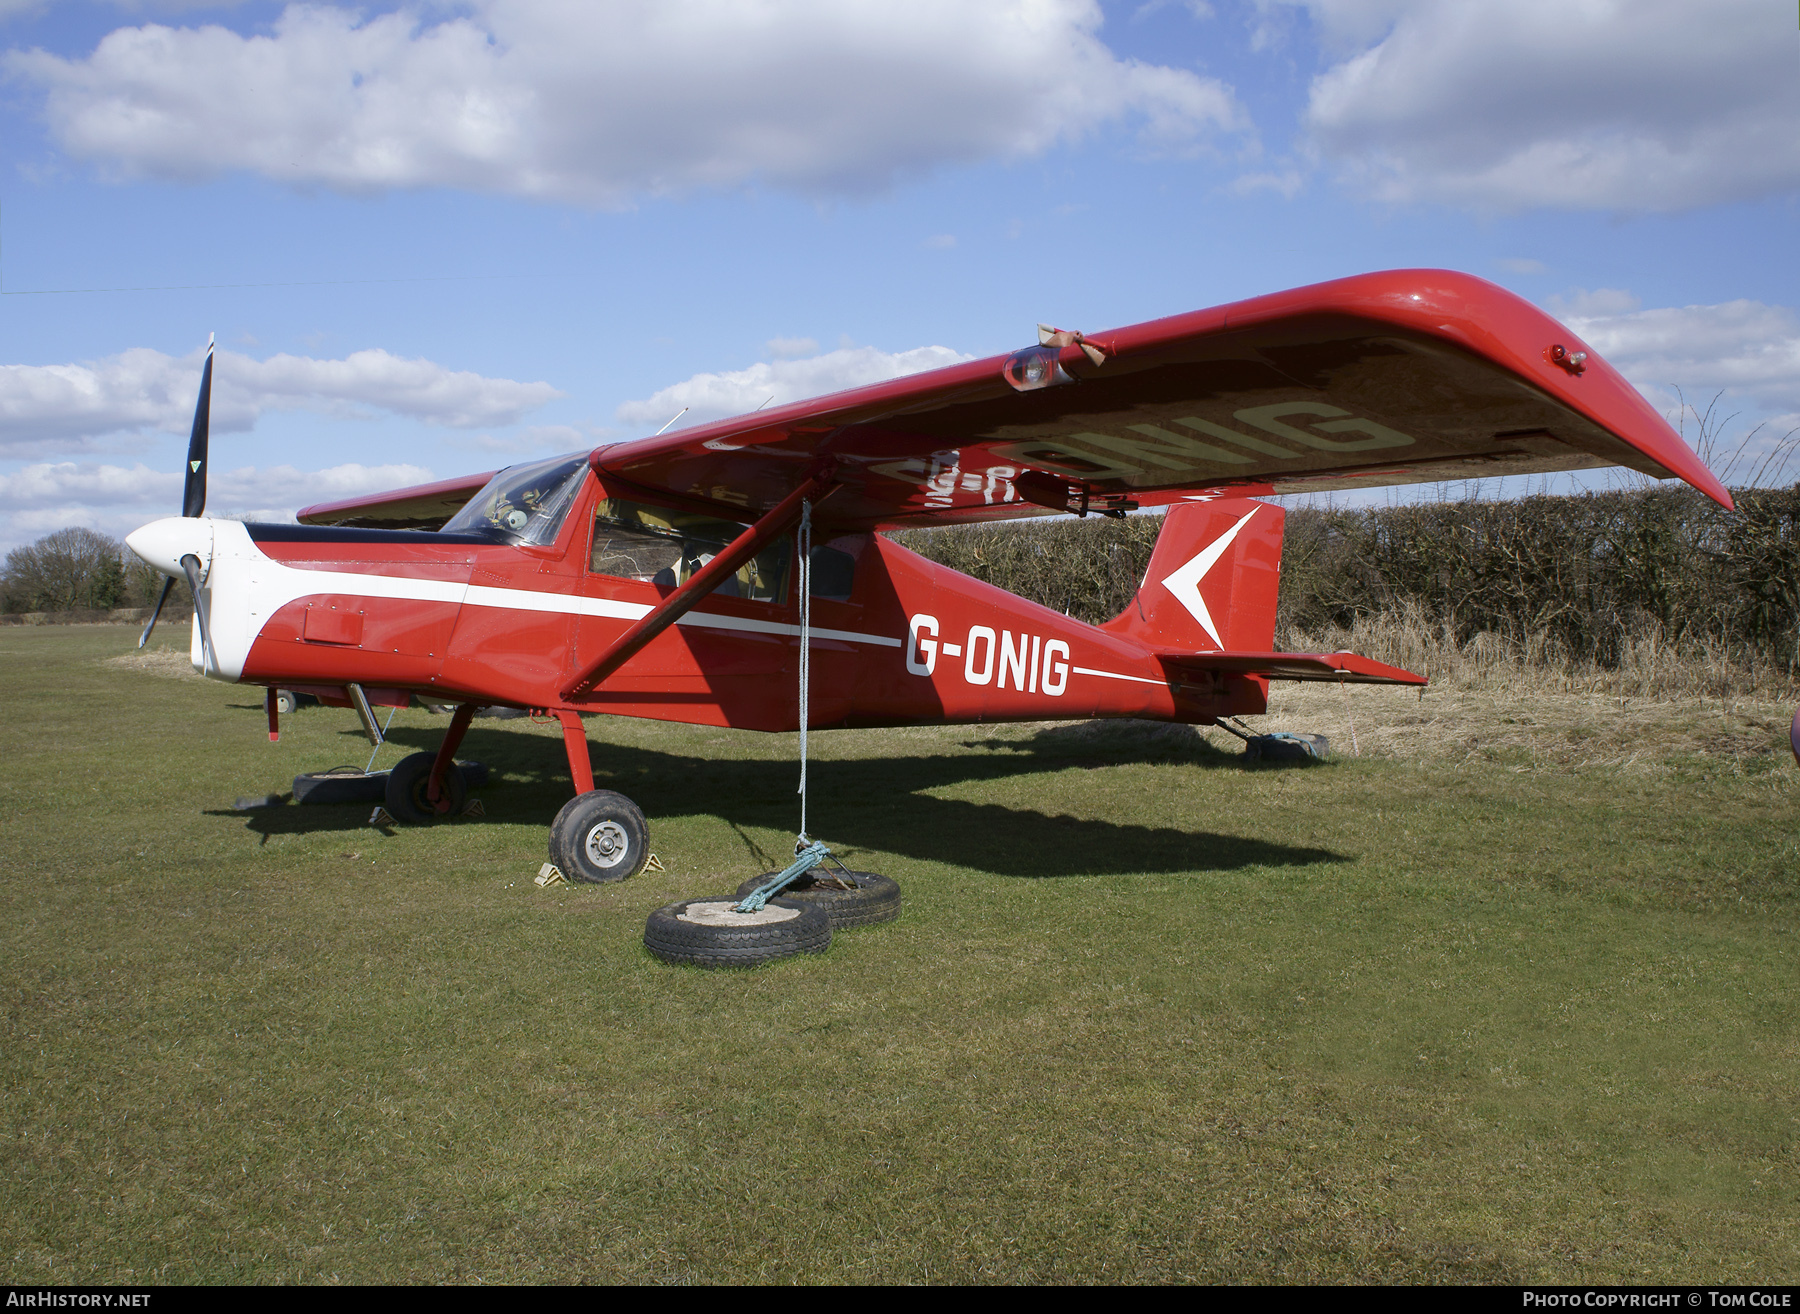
[{"x": 1212, "y": 581}]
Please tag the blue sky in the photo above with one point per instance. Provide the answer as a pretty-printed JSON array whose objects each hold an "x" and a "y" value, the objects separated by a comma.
[{"x": 441, "y": 237}]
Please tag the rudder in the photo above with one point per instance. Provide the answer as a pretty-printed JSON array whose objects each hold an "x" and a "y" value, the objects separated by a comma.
[{"x": 1212, "y": 582}]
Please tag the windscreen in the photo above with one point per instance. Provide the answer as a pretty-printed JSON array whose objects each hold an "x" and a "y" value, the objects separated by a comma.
[{"x": 523, "y": 503}]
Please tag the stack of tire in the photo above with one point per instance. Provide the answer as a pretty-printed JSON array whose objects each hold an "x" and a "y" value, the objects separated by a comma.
[
  {"x": 601, "y": 837},
  {"x": 711, "y": 932}
]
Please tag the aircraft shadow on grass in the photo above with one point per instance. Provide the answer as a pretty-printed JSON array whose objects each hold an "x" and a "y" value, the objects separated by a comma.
[{"x": 882, "y": 804}]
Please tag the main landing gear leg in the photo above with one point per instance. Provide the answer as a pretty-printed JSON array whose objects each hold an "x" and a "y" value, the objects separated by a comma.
[
  {"x": 599, "y": 836},
  {"x": 446, "y": 754},
  {"x": 581, "y": 768},
  {"x": 424, "y": 787}
]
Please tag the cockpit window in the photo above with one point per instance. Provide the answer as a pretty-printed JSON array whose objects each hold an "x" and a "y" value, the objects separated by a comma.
[
  {"x": 666, "y": 547},
  {"x": 523, "y": 503}
]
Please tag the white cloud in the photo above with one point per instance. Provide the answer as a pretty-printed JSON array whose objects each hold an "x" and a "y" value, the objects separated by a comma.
[
  {"x": 171, "y": 6},
  {"x": 55, "y": 406},
  {"x": 544, "y": 438},
  {"x": 735, "y": 392},
  {"x": 1744, "y": 348},
  {"x": 788, "y": 348},
  {"x": 1655, "y": 105},
  {"x": 603, "y": 103},
  {"x": 40, "y": 499}
]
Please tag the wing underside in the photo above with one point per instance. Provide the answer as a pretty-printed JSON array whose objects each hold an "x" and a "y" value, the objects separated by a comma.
[
  {"x": 1405, "y": 377},
  {"x": 1411, "y": 376}
]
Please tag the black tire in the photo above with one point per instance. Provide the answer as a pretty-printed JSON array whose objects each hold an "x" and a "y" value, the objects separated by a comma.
[
  {"x": 345, "y": 784},
  {"x": 600, "y": 837},
  {"x": 287, "y": 702},
  {"x": 875, "y": 898},
  {"x": 783, "y": 928},
  {"x": 406, "y": 785}
]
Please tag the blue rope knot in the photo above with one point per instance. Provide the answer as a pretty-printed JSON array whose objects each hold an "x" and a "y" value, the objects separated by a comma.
[{"x": 805, "y": 860}]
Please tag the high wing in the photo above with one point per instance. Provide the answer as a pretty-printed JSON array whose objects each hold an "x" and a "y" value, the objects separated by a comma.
[
  {"x": 1408, "y": 376},
  {"x": 422, "y": 506}
]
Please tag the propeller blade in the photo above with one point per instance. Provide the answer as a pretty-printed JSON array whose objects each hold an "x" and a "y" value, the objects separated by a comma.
[
  {"x": 191, "y": 564},
  {"x": 168, "y": 583},
  {"x": 193, "y": 496}
]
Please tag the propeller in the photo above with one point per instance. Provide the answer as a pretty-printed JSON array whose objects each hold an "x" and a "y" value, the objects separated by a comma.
[
  {"x": 1055, "y": 337},
  {"x": 193, "y": 502}
]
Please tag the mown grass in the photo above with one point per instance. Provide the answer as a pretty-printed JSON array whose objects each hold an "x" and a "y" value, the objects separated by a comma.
[{"x": 1450, "y": 1010}]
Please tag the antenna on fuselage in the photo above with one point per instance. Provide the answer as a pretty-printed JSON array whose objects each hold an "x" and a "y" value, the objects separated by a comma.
[{"x": 678, "y": 414}]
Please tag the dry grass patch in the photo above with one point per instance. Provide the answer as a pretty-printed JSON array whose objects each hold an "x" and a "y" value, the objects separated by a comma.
[
  {"x": 1649, "y": 667},
  {"x": 171, "y": 663},
  {"x": 1522, "y": 727}
]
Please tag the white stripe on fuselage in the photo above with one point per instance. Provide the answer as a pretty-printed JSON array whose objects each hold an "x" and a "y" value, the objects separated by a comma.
[
  {"x": 574, "y": 604},
  {"x": 1113, "y": 675},
  {"x": 253, "y": 586}
]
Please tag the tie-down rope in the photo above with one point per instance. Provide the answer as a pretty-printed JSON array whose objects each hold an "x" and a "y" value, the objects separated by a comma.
[
  {"x": 804, "y": 544},
  {"x": 808, "y": 853}
]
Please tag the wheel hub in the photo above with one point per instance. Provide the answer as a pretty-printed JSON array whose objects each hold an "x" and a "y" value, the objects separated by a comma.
[{"x": 607, "y": 844}]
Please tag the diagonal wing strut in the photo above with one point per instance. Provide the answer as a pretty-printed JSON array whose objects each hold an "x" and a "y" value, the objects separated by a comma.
[{"x": 701, "y": 583}]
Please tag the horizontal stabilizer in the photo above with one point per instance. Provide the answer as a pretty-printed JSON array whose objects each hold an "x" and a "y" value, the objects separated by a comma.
[{"x": 1337, "y": 667}]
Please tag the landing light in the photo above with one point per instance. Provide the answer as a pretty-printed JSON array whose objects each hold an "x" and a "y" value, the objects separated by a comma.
[{"x": 1034, "y": 368}]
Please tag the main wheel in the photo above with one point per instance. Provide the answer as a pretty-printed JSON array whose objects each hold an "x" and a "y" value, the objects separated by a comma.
[
  {"x": 712, "y": 933},
  {"x": 599, "y": 836},
  {"x": 287, "y": 702},
  {"x": 406, "y": 786},
  {"x": 869, "y": 900}
]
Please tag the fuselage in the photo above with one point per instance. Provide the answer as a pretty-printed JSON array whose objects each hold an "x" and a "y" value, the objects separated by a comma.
[{"x": 461, "y": 618}]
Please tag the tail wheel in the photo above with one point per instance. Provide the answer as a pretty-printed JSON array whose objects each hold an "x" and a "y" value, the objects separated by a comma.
[
  {"x": 870, "y": 898},
  {"x": 599, "y": 837},
  {"x": 406, "y": 791},
  {"x": 713, "y": 933}
]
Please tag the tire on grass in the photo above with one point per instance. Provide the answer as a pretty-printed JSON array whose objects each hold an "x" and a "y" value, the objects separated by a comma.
[
  {"x": 600, "y": 837},
  {"x": 406, "y": 786},
  {"x": 874, "y": 899},
  {"x": 344, "y": 784},
  {"x": 710, "y": 932}
]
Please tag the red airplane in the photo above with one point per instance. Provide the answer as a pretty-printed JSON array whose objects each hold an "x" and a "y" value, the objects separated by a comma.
[{"x": 659, "y": 578}]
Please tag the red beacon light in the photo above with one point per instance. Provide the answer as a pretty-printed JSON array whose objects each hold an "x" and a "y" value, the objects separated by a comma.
[{"x": 1575, "y": 362}]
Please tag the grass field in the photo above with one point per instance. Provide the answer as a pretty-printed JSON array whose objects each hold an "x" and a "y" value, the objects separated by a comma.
[{"x": 1509, "y": 995}]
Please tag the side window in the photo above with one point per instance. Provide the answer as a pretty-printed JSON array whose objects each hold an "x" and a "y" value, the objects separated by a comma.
[
  {"x": 661, "y": 546},
  {"x": 633, "y": 556},
  {"x": 833, "y": 573},
  {"x": 834, "y": 566}
]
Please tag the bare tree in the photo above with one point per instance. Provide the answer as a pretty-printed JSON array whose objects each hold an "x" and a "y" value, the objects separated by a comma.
[{"x": 63, "y": 571}]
